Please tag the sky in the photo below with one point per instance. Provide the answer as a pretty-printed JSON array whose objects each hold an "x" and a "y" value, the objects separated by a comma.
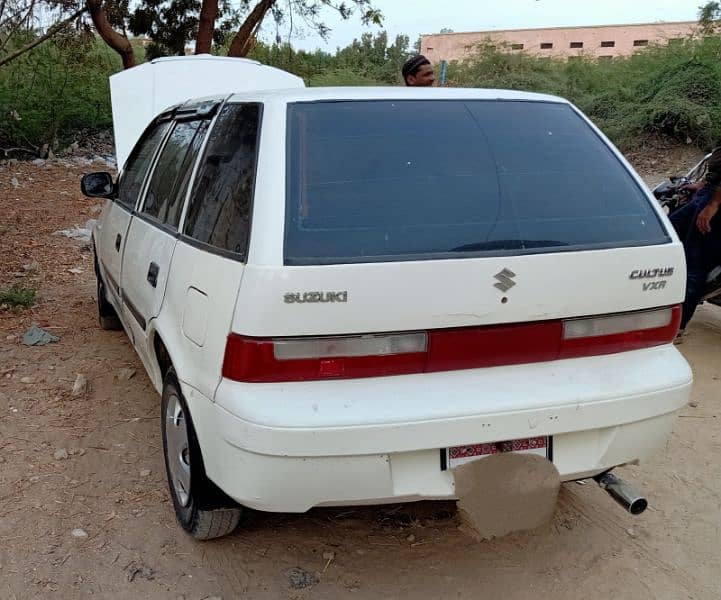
[{"x": 415, "y": 17}]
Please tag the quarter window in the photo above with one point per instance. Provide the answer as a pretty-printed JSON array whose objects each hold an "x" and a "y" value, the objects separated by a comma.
[
  {"x": 220, "y": 204},
  {"x": 169, "y": 182}
]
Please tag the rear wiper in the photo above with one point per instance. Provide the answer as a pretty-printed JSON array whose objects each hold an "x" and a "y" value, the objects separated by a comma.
[{"x": 507, "y": 245}]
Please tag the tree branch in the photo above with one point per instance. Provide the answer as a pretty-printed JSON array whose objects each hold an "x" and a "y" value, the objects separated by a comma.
[
  {"x": 112, "y": 38},
  {"x": 240, "y": 46},
  {"x": 48, "y": 34},
  {"x": 16, "y": 27}
]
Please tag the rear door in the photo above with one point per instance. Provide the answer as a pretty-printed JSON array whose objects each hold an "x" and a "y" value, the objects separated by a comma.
[
  {"x": 111, "y": 232},
  {"x": 209, "y": 258},
  {"x": 152, "y": 234}
]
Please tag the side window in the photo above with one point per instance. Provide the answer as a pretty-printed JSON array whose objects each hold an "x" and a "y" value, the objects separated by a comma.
[
  {"x": 220, "y": 204},
  {"x": 131, "y": 180},
  {"x": 168, "y": 184}
]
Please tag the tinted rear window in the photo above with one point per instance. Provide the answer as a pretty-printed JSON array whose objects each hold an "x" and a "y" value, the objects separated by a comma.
[{"x": 410, "y": 180}]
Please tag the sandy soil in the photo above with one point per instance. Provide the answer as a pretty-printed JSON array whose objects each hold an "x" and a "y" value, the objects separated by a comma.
[{"x": 93, "y": 462}]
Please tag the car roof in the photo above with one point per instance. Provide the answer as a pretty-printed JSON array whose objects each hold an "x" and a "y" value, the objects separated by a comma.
[{"x": 391, "y": 93}]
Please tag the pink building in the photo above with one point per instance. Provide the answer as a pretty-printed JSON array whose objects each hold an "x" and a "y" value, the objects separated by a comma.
[{"x": 603, "y": 41}]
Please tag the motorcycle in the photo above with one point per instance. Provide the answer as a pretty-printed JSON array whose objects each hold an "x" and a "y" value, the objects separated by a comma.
[{"x": 673, "y": 194}]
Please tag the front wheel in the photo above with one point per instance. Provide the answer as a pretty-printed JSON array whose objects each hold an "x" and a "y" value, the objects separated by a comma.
[{"x": 201, "y": 508}]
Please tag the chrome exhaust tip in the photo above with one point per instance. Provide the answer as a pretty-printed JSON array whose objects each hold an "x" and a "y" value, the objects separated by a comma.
[{"x": 622, "y": 492}]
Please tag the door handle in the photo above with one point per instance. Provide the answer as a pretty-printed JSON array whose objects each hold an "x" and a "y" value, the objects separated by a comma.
[
  {"x": 118, "y": 239},
  {"x": 153, "y": 270}
]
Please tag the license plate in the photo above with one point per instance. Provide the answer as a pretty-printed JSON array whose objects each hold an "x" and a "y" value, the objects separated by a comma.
[{"x": 459, "y": 455}]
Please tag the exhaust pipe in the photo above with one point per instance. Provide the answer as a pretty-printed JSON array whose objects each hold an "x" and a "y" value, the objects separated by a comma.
[{"x": 622, "y": 493}]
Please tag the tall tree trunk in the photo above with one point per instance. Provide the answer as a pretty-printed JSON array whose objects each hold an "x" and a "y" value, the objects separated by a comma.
[
  {"x": 206, "y": 27},
  {"x": 112, "y": 38},
  {"x": 241, "y": 45}
]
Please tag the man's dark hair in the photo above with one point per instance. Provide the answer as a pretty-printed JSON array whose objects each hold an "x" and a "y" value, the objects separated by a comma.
[{"x": 411, "y": 66}]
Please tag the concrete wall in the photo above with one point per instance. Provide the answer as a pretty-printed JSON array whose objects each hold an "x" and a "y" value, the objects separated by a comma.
[{"x": 625, "y": 38}]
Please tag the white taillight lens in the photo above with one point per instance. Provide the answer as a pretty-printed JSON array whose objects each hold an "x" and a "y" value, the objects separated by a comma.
[
  {"x": 615, "y": 324},
  {"x": 350, "y": 346}
]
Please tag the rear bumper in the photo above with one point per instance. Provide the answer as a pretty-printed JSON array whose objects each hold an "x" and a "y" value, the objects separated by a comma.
[{"x": 288, "y": 447}]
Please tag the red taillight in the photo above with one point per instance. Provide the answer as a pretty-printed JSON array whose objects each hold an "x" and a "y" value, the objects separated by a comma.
[
  {"x": 620, "y": 333},
  {"x": 260, "y": 360},
  {"x": 266, "y": 360}
]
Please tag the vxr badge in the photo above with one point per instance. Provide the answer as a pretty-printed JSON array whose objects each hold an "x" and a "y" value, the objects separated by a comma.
[{"x": 505, "y": 280}]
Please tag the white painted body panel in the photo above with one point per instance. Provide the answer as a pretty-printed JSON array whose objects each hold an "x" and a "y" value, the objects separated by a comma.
[
  {"x": 141, "y": 93},
  {"x": 378, "y": 439},
  {"x": 199, "y": 305},
  {"x": 113, "y": 222},
  {"x": 145, "y": 243}
]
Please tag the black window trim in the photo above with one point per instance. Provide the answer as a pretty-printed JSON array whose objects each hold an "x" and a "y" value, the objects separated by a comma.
[
  {"x": 310, "y": 261},
  {"x": 240, "y": 257},
  {"x": 139, "y": 210},
  {"x": 176, "y": 115},
  {"x": 162, "y": 118}
]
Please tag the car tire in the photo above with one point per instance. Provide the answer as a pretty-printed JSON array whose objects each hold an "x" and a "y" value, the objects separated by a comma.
[{"x": 201, "y": 508}]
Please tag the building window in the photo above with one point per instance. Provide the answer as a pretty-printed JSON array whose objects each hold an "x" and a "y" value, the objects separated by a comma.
[
  {"x": 608, "y": 44},
  {"x": 546, "y": 46},
  {"x": 516, "y": 46},
  {"x": 605, "y": 57},
  {"x": 428, "y": 48},
  {"x": 576, "y": 44},
  {"x": 640, "y": 43},
  {"x": 574, "y": 58}
]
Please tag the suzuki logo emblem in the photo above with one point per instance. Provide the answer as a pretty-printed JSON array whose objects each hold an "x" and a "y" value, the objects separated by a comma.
[{"x": 505, "y": 280}]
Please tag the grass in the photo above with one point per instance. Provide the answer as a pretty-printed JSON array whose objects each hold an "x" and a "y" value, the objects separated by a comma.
[{"x": 18, "y": 296}]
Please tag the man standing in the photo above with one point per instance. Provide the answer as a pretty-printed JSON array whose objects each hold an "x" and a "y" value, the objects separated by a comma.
[
  {"x": 418, "y": 72},
  {"x": 699, "y": 225}
]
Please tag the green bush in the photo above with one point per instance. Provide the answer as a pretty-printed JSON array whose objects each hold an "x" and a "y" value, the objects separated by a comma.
[
  {"x": 672, "y": 91},
  {"x": 18, "y": 296},
  {"x": 59, "y": 89}
]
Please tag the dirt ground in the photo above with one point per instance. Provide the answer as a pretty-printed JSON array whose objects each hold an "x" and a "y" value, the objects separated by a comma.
[{"x": 93, "y": 462}]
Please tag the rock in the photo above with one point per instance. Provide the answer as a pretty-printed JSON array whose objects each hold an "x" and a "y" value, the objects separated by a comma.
[
  {"x": 10, "y": 338},
  {"x": 411, "y": 538},
  {"x": 26, "y": 380},
  {"x": 631, "y": 532},
  {"x": 79, "y": 533},
  {"x": 80, "y": 386},
  {"x": 693, "y": 404},
  {"x": 144, "y": 472},
  {"x": 39, "y": 162},
  {"x": 61, "y": 454},
  {"x": 32, "y": 266},
  {"x": 328, "y": 555},
  {"x": 126, "y": 373},
  {"x": 299, "y": 578},
  {"x": 75, "y": 271},
  {"x": 15, "y": 183}
]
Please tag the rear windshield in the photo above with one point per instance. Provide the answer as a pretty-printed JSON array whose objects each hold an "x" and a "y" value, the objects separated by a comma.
[{"x": 408, "y": 180}]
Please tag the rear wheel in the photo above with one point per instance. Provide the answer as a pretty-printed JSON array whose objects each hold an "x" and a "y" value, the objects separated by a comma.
[{"x": 201, "y": 508}]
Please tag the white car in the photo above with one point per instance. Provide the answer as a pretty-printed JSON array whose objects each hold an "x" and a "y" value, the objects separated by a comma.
[{"x": 342, "y": 294}]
